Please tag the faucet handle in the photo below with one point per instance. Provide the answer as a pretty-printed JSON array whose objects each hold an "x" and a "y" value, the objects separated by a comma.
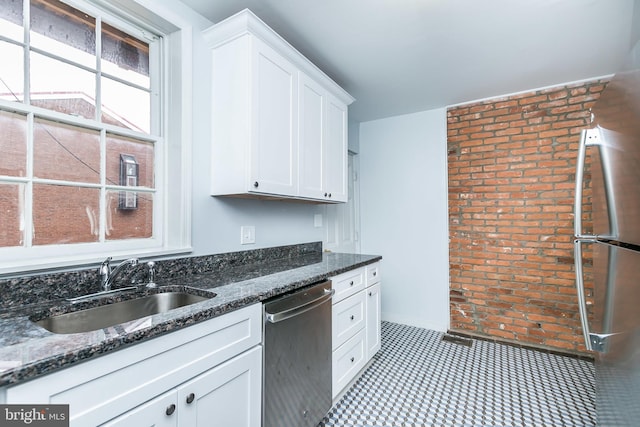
[
  {"x": 151, "y": 275},
  {"x": 105, "y": 267}
]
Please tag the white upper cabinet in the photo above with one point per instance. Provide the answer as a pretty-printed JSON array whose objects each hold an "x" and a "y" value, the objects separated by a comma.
[
  {"x": 279, "y": 124},
  {"x": 335, "y": 150},
  {"x": 311, "y": 154},
  {"x": 273, "y": 143}
]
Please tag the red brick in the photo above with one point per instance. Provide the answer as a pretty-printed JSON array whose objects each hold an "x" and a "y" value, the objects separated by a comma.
[{"x": 510, "y": 215}]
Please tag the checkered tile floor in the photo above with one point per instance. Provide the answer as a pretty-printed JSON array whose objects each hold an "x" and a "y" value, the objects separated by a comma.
[{"x": 417, "y": 379}]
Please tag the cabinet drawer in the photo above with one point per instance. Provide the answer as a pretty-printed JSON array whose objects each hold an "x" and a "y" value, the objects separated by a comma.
[
  {"x": 348, "y": 317},
  {"x": 373, "y": 273},
  {"x": 348, "y": 359},
  {"x": 119, "y": 381},
  {"x": 347, "y": 284}
]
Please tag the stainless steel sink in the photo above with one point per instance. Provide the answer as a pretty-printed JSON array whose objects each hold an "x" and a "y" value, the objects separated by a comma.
[{"x": 104, "y": 316}]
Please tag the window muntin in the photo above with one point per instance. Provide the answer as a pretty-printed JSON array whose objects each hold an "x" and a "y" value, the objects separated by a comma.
[{"x": 58, "y": 183}]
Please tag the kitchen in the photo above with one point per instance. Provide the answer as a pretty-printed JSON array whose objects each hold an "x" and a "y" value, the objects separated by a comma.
[{"x": 395, "y": 145}]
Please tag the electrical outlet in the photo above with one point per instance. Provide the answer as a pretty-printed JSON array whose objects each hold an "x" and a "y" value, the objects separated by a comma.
[
  {"x": 247, "y": 234},
  {"x": 317, "y": 220}
]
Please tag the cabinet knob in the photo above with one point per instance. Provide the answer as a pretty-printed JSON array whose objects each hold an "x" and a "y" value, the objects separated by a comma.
[
  {"x": 375, "y": 273},
  {"x": 255, "y": 184},
  {"x": 329, "y": 194},
  {"x": 353, "y": 359},
  {"x": 190, "y": 397},
  {"x": 171, "y": 409},
  {"x": 370, "y": 293},
  {"x": 353, "y": 317},
  {"x": 351, "y": 283},
  {"x": 326, "y": 194}
]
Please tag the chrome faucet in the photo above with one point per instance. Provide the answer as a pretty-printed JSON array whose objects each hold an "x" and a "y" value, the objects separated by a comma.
[{"x": 108, "y": 275}]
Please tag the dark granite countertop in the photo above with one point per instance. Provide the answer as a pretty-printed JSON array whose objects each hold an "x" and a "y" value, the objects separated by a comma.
[{"x": 28, "y": 351}]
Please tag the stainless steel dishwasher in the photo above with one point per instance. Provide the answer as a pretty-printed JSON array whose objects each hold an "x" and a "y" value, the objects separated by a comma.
[{"x": 296, "y": 389}]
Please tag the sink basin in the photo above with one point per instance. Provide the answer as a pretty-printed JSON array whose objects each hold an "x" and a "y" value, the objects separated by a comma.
[{"x": 104, "y": 316}]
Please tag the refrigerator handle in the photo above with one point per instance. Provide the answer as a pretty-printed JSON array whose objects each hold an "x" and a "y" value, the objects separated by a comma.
[
  {"x": 582, "y": 304},
  {"x": 577, "y": 207}
]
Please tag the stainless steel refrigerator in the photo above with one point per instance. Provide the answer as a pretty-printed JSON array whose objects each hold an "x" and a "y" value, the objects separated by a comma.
[{"x": 609, "y": 158}]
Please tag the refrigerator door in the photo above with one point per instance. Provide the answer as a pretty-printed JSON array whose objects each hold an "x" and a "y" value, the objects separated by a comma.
[
  {"x": 615, "y": 317},
  {"x": 615, "y": 334},
  {"x": 615, "y": 180},
  {"x": 615, "y": 161},
  {"x": 616, "y": 322}
]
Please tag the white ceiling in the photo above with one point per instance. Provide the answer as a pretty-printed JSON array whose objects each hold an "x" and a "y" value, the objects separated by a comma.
[{"x": 403, "y": 56}]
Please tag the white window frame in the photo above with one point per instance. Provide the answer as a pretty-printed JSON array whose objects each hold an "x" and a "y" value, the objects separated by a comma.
[{"x": 172, "y": 194}]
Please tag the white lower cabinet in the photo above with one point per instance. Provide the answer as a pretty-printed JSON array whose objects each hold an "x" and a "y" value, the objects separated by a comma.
[
  {"x": 228, "y": 394},
  {"x": 206, "y": 374},
  {"x": 348, "y": 317},
  {"x": 356, "y": 324},
  {"x": 373, "y": 308},
  {"x": 348, "y": 359},
  {"x": 158, "y": 412}
]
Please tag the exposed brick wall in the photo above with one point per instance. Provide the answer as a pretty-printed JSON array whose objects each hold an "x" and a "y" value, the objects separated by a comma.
[{"x": 511, "y": 165}]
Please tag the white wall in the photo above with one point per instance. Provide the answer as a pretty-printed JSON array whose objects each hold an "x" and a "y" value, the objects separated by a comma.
[
  {"x": 403, "y": 200},
  {"x": 216, "y": 221}
]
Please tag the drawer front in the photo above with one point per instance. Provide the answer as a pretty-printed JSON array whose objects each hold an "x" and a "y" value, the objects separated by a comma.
[
  {"x": 348, "y": 359},
  {"x": 348, "y": 317},
  {"x": 347, "y": 284},
  {"x": 373, "y": 273},
  {"x": 117, "y": 382}
]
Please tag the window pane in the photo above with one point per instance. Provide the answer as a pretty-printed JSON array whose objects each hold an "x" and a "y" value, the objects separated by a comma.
[
  {"x": 11, "y": 72},
  {"x": 66, "y": 152},
  {"x": 11, "y": 214},
  {"x": 121, "y": 149},
  {"x": 65, "y": 214},
  {"x": 63, "y": 31},
  {"x": 125, "y": 221},
  {"x": 61, "y": 87},
  {"x": 13, "y": 145},
  {"x": 11, "y": 19},
  {"x": 125, "y": 56},
  {"x": 125, "y": 106}
]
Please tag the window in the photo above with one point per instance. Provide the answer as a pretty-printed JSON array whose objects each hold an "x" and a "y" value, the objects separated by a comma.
[{"x": 84, "y": 135}]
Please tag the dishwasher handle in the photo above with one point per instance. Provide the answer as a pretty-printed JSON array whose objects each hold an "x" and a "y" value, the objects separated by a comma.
[{"x": 299, "y": 309}]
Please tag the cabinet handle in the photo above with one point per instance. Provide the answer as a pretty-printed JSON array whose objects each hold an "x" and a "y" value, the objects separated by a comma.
[
  {"x": 171, "y": 409},
  {"x": 353, "y": 359},
  {"x": 351, "y": 283},
  {"x": 353, "y": 317},
  {"x": 190, "y": 397},
  {"x": 255, "y": 184}
]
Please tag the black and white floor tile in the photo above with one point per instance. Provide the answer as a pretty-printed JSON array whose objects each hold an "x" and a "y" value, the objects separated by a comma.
[{"x": 419, "y": 380}]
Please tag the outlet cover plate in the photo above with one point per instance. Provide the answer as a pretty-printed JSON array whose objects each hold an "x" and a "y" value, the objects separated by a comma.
[{"x": 247, "y": 235}]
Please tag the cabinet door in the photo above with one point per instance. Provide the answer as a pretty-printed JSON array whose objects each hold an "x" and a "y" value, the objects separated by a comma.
[
  {"x": 274, "y": 123},
  {"x": 373, "y": 324},
  {"x": 227, "y": 395},
  {"x": 335, "y": 150},
  {"x": 311, "y": 144},
  {"x": 158, "y": 412}
]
